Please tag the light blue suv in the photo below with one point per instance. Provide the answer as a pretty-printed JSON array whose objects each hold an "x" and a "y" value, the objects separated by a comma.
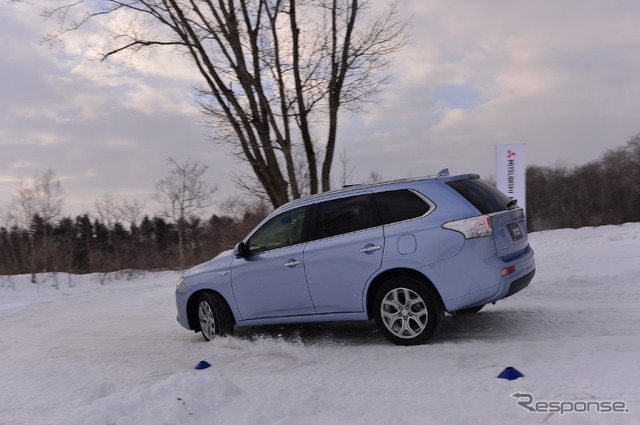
[{"x": 401, "y": 252}]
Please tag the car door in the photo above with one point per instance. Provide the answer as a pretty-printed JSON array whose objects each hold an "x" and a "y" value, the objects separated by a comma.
[
  {"x": 345, "y": 251},
  {"x": 270, "y": 281}
]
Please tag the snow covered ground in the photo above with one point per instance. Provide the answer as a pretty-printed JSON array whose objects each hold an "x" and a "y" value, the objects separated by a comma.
[{"x": 112, "y": 354}]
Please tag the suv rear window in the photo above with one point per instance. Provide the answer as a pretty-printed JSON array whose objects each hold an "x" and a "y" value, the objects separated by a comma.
[
  {"x": 400, "y": 205},
  {"x": 485, "y": 197}
]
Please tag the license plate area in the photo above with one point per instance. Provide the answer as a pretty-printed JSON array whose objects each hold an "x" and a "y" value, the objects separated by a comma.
[{"x": 515, "y": 231}]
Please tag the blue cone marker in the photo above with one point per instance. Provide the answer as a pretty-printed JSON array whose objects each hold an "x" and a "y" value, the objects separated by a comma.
[
  {"x": 510, "y": 373},
  {"x": 202, "y": 365}
]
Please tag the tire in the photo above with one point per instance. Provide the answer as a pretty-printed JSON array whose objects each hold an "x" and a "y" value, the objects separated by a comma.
[
  {"x": 407, "y": 312},
  {"x": 214, "y": 316}
]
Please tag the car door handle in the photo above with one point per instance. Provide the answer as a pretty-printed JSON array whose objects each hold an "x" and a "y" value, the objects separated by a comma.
[
  {"x": 292, "y": 263},
  {"x": 370, "y": 249}
]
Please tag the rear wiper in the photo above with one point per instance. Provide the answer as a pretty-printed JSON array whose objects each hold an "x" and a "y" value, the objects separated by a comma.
[{"x": 512, "y": 203}]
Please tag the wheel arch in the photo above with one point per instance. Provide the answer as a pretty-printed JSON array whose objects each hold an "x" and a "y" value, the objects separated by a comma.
[
  {"x": 192, "y": 308},
  {"x": 391, "y": 273}
]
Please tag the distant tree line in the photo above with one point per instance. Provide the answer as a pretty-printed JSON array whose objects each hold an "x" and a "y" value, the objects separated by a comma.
[
  {"x": 86, "y": 245},
  {"x": 606, "y": 191},
  {"x": 35, "y": 238}
]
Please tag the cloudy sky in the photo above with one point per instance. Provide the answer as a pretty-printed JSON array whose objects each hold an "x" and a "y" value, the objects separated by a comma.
[{"x": 561, "y": 76}]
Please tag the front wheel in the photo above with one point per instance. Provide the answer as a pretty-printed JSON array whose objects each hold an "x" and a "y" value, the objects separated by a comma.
[
  {"x": 214, "y": 316},
  {"x": 407, "y": 312}
]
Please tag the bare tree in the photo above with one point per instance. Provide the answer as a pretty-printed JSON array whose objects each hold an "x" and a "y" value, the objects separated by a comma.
[
  {"x": 183, "y": 193},
  {"x": 375, "y": 177},
  {"x": 42, "y": 197},
  {"x": 237, "y": 207},
  {"x": 36, "y": 206},
  {"x": 131, "y": 211},
  {"x": 111, "y": 211},
  {"x": 107, "y": 210},
  {"x": 346, "y": 168},
  {"x": 276, "y": 72}
]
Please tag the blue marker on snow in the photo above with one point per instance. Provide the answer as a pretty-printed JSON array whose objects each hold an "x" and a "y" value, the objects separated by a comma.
[
  {"x": 202, "y": 365},
  {"x": 510, "y": 373}
]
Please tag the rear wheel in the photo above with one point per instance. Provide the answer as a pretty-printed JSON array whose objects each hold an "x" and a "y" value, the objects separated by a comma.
[
  {"x": 407, "y": 312},
  {"x": 214, "y": 316}
]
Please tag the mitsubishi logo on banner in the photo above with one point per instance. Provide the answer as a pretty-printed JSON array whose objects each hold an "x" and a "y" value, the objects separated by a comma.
[{"x": 511, "y": 170}]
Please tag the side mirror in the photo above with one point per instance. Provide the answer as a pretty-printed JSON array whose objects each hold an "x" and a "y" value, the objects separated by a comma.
[{"x": 241, "y": 250}]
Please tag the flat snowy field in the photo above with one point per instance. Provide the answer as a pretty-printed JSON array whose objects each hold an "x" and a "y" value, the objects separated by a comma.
[{"x": 112, "y": 354}]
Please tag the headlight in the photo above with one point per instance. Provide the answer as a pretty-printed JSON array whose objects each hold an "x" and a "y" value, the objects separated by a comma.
[{"x": 181, "y": 287}]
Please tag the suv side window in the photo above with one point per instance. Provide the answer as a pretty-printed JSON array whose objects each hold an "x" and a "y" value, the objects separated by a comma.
[
  {"x": 400, "y": 205},
  {"x": 282, "y": 230},
  {"x": 345, "y": 215}
]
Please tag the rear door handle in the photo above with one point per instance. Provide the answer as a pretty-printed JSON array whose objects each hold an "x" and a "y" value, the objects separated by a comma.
[
  {"x": 370, "y": 249},
  {"x": 292, "y": 263}
]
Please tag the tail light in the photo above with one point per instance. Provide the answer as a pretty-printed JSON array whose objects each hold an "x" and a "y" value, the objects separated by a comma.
[
  {"x": 474, "y": 227},
  {"x": 508, "y": 270}
]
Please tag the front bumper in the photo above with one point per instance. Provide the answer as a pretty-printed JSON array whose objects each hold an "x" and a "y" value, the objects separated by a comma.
[{"x": 182, "y": 299}]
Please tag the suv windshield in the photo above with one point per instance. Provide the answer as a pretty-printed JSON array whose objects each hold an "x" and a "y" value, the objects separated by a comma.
[{"x": 485, "y": 197}]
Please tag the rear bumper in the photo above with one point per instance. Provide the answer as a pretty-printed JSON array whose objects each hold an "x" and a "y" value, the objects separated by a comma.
[
  {"x": 519, "y": 284},
  {"x": 511, "y": 284},
  {"x": 490, "y": 270}
]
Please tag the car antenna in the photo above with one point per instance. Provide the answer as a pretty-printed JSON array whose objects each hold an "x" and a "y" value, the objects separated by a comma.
[{"x": 444, "y": 172}]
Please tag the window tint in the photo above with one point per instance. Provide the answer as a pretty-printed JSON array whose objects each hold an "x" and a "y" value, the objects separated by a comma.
[
  {"x": 345, "y": 215},
  {"x": 485, "y": 197},
  {"x": 282, "y": 230},
  {"x": 400, "y": 205}
]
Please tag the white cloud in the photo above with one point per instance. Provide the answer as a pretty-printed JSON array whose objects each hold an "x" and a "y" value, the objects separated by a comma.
[
  {"x": 561, "y": 77},
  {"x": 557, "y": 76},
  {"x": 158, "y": 99}
]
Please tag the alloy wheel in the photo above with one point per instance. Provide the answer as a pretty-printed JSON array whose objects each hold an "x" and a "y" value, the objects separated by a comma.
[
  {"x": 207, "y": 320},
  {"x": 404, "y": 313}
]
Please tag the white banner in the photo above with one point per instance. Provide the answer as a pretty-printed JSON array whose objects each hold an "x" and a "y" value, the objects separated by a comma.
[{"x": 511, "y": 167}]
